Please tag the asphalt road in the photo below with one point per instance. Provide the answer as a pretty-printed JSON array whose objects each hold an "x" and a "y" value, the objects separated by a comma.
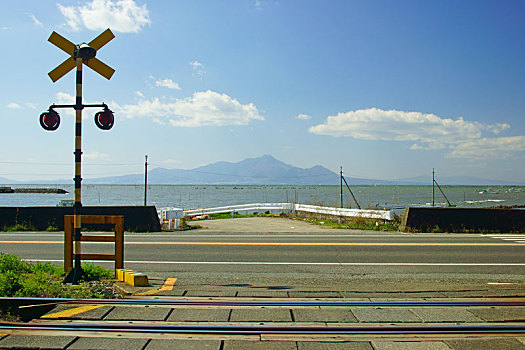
[{"x": 285, "y": 254}]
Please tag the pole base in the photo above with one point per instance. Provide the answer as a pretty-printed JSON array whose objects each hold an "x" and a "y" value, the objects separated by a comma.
[{"x": 76, "y": 275}]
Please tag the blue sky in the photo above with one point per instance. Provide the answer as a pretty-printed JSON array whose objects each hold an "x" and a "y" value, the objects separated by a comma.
[{"x": 386, "y": 89}]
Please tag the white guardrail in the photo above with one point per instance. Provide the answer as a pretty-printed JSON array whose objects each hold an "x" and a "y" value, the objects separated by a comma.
[
  {"x": 363, "y": 213},
  {"x": 172, "y": 213},
  {"x": 242, "y": 208}
]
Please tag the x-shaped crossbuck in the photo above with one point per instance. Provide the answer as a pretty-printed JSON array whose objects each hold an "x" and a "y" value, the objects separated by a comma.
[{"x": 71, "y": 49}]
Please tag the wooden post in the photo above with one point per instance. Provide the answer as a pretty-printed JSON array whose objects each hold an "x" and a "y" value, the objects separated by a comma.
[
  {"x": 68, "y": 244},
  {"x": 119, "y": 243},
  {"x": 117, "y": 238}
]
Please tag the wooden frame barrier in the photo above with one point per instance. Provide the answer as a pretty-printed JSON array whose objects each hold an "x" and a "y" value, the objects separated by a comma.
[{"x": 118, "y": 238}]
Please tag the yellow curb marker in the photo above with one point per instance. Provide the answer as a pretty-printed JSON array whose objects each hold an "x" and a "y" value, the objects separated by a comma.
[
  {"x": 132, "y": 278},
  {"x": 168, "y": 284},
  {"x": 72, "y": 312}
]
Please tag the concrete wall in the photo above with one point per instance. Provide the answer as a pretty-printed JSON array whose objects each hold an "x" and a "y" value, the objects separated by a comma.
[
  {"x": 136, "y": 218},
  {"x": 463, "y": 219}
]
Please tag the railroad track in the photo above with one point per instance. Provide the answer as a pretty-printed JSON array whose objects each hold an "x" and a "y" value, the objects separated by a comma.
[
  {"x": 268, "y": 330},
  {"x": 159, "y": 301}
]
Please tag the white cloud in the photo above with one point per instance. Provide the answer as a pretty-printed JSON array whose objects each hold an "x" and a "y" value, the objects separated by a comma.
[
  {"x": 31, "y": 105},
  {"x": 139, "y": 94},
  {"x": 123, "y": 16},
  {"x": 427, "y": 131},
  {"x": 303, "y": 117},
  {"x": 497, "y": 147},
  {"x": 13, "y": 105},
  {"x": 36, "y": 22},
  {"x": 95, "y": 155},
  {"x": 207, "y": 108},
  {"x": 158, "y": 121},
  {"x": 168, "y": 83},
  {"x": 63, "y": 98},
  {"x": 258, "y": 4},
  {"x": 198, "y": 68}
]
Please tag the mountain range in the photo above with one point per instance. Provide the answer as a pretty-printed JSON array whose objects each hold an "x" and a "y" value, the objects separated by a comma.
[{"x": 263, "y": 170}]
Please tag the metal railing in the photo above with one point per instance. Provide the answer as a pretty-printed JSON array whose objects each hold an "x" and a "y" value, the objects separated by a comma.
[{"x": 291, "y": 207}]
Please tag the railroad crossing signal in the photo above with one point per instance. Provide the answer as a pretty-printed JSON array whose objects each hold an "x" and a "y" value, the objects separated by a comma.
[
  {"x": 80, "y": 54},
  {"x": 85, "y": 51}
]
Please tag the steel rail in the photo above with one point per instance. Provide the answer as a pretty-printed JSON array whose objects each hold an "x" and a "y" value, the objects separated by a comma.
[
  {"x": 234, "y": 303},
  {"x": 257, "y": 330}
]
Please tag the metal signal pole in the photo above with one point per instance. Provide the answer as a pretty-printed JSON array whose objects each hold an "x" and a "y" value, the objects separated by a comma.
[{"x": 77, "y": 273}]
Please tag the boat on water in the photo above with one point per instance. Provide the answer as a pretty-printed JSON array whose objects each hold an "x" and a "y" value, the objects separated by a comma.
[{"x": 489, "y": 191}]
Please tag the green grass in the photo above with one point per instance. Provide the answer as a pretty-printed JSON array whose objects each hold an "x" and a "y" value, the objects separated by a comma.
[
  {"x": 357, "y": 224},
  {"x": 19, "y": 228},
  {"x": 235, "y": 215},
  {"x": 19, "y": 278}
]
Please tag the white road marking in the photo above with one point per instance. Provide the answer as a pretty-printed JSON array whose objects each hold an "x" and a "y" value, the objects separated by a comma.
[
  {"x": 290, "y": 263},
  {"x": 512, "y": 238}
]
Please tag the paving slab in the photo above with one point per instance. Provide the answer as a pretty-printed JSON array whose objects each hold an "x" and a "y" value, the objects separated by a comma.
[
  {"x": 470, "y": 294},
  {"x": 169, "y": 344},
  {"x": 210, "y": 293},
  {"x": 324, "y": 315},
  {"x": 263, "y": 294},
  {"x": 500, "y": 314},
  {"x": 318, "y": 345},
  {"x": 74, "y": 312},
  {"x": 35, "y": 342},
  {"x": 410, "y": 345},
  {"x": 171, "y": 293},
  {"x": 509, "y": 292},
  {"x": 199, "y": 315},
  {"x": 393, "y": 295},
  {"x": 320, "y": 294},
  {"x": 496, "y": 344},
  {"x": 392, "y": 315},
  {"x": 128, "y": 313},
  {"x": 261, "y": 315},
  {"x": 108, "y": 344},
  {"x": 256, "y": 345},
  {"x": 445, "y": 315}
]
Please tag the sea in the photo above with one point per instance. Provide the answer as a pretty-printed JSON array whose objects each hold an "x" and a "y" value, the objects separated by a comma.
[{"x": 208, "y": 196}]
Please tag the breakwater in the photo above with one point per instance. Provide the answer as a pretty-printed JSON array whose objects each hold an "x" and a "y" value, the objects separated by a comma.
[{"x": 33, "y": 190}]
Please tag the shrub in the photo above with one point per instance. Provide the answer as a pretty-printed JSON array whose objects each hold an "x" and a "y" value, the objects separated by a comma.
[{"x": 97, "y": 273}]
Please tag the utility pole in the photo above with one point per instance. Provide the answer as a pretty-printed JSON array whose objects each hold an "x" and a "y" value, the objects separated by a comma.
[
  {"x": 145, "y": 180},
  {"x": 341, "y": 185},
  {"x": 433, "y": 181}
]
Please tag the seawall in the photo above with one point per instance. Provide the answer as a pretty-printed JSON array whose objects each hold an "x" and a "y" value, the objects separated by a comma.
[
  {"x": 136, "y": 218},
  {"x": 463, "y": 219}
]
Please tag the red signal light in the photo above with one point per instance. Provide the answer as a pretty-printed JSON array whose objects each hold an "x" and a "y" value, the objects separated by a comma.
[
  {"x": 104, "y": 119},
  {"x": 50, "y": 120}
]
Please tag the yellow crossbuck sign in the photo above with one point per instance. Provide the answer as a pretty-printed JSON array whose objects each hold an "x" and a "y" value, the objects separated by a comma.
[{"x": 71, "y": 49}]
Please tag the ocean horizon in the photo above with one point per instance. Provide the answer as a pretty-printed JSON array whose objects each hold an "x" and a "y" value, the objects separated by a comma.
[{"x": 205, "y": 196}]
